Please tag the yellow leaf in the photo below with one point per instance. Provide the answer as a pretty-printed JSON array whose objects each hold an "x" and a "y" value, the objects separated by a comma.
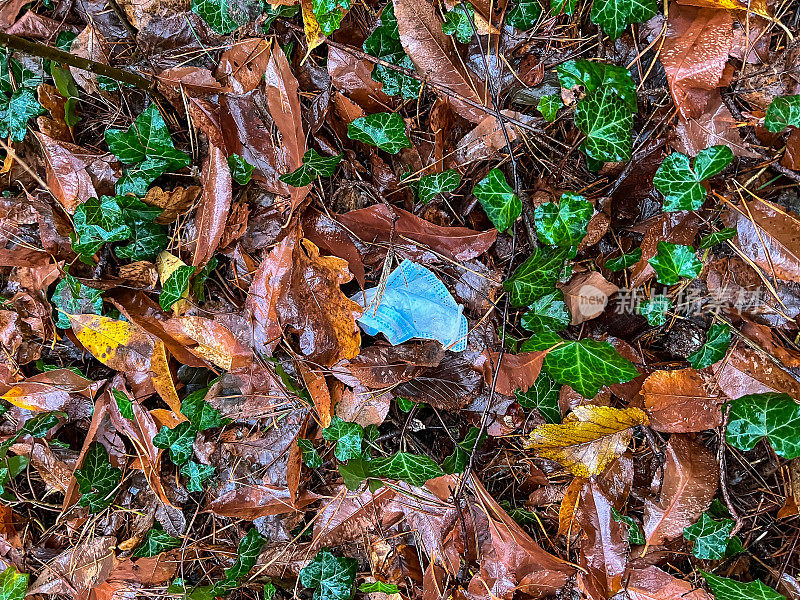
[
  {"x": 314, "y": 35},
  {"x": 162, "y": 379},
  {"x": 119, "y": 345},
  {"x": 589, "y": 438}
]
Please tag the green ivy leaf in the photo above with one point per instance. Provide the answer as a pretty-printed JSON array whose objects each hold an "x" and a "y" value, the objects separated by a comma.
[
  {"x": 348, "y": 438},
  {"x": 329, "y": 13},
  {"x": 459, "y": 459},
  {"x": 36, "y": 427},
  {"x": 97, "y": 479},
  {"x": 614, "y": 16},
  {"x": 655, "y": 309},
  {"x": 219, "y": 15},
  {"x": 524, "y": 14},
  {"x": 378, "y": 586},
  {"x": 178, "y": 440},
  {"x": 249, "y": 548},
  {"x": 623, "y": 262},
  {"x": 176, "y": 285},
  {"x": 147, "y": 239},
  {"x": 564, "y": 224},
  {"x": 354, "y": 473},
  {"x": 681, "y": 184},
  {"x": 501, "y": 204},
  {"x": 607, "y": 124},
  {"x": 549, "y": 104},
  {"x": 124, "y": 404},
  {"x": 717, "y": 237},
  {"x": 730, "y": 589},
  {"x": 459, "y": 22},
  {"x": 537, "y": 276},
  {"x": 593, "y": 76},
  {"x": 710, "y": 537},
  {"x": 717, "y": 341},
  {"x": 72, "y": 297},
  {"x": 548, "y": 313},
  {"x": 586, "y": 365},
  {"x": 772, "y": 416},
  {"x": 673, "y": 261},
  {"x": 565, "y": 6},
  {"x": 200, "y": 413},
  {"x": 314, "y": 165},
  {"x": 147, "y": 137},
  {"x": 311, "y": 457},
  {"x": 13, "y": 584},
  {"x": 783, "y": 112},
  {"x": 155, "y": 542},
  {"x": 384, "y": 43},
  {"x": 432, "y": 185},
  {"x": 542, "y": 397},
  {"x": 15, "y": 112},
  {"x": 275, "y": 11},
  {"x": 386, "y": 131},
  {"x": 96, "y": 222},
  {"x": 331, "y": 577},
  {"x": 411, "y": 468},
  {"x": 241, "y": 170},
  {"x": 635, "y": 533},
  {"x": 405, "y": 404},
  {"x": 196, "y": 473},
  {"x": 137, "y": 178}
]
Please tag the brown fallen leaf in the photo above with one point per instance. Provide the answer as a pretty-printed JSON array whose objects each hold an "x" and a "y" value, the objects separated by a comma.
[
  {"x": 517, "y": 371},
  {"x": 652, "y": 583},
  {"x": 320, "y": 394},
  {"x": 486, "y": 139},
  {"x": 681, "y": 401},
  {"x": 242, "y": 66},
  {"x": 78, "y": 569},
  {"x": 215, "y": 202},
  {"x": 353, "y": 76},
  {"x": 209, "y": 339},
  {"x": 90, "y": 43},
  {"x": 746, "y": 371},
  {"x": 586, "y": 295},
  {"x": 195, "y": 80},
  {"x": 569, "y": 506},
  {"x": 173, "y": 203},
  {"x": 588, "y": 439},
  {"x": 52, "y": 124},
  {"x": 140, "y": 274},
  {"x": 54, "y": 472},
  {"x": 436, "y": 58},
  {"x": 690, "y": 482},
  {"x": 57, "y": 390},
  {"x": 67, "y": 173}
]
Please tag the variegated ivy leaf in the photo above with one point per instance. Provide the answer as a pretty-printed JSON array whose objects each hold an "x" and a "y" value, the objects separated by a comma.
[
  {"x": 16, "y": 110},
  {"x": 247, "y": 553},
  {"x": 13, "y": 584},
  {"x": 680, "y": 181},
  {"x": 224, "y": 16},
  {"x": 548, "y": 313},
  {"x": 710, "y": 537},
  {"x": 386, "y": 131},
  {"x": 175, "y": 286},
  {"x": 459, "y": 22},
  {"x": 196, "y": 474},
  {"x": 348, "y": 438},
  {"x": 124, "y": 404},
  {"x": 655, "y": 310},
  {"x": 775, "y": 417},
  {"x": 783, "y": 112},
  {"x": 432, "y": 185},
  {"x": 96, "y": 222},
  {"x": 501, "y": 204},
  {"x": 329, "y": 13},
  {"x": 565, "y": 6},
  {"x": 524, "y": 14},
  {"x": 314, "y": 165},
  {"x": 542, "y": 396},
  {"x": 411, "y": 468},
  {"x": 155, "y": 542},
  {"x": 673, "y": 261},
  {"x": 607, "y": 123},
  {"x": 592, "y": 76},
  {"x": 564, "y": 224},
  {"x": 97, "y": 479},
  {"x": 74, "y": 298},
  {"x": 178, "y": 440},
  {"x": 549, "y": 105},
  {"x": 331, "y": 577},
  {"x": 614, "y": 16},
  {"x": 384, "y": 43}
]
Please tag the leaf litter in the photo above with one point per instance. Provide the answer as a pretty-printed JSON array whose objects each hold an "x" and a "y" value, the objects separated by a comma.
[{"x": 399, "y": 299}]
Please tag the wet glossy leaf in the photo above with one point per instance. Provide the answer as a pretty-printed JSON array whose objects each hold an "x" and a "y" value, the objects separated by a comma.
[
  {"x": 713, "y": 350},
  {"x": 588, "y": 439},
  {"x": 542, "y": 396},
  {"x": 175, "y": 286},
  {"x": 378, "y": 586},
  {"x": 635, "y": 533},
  {"x": 549, "y": 105},
  {"x": 537, "y": 276},
  {"x": 314, "y": 165},
  {"x": 548, "y": 313},
  {"x": 772, "y": 416},
  {"x": 155, "y": 542},
  {"x": 673, "y": 261},
  {"x": 607, "y": 124},
  {"x": 329, "y": 13},
  {"x": 386, "y": 131},
  {"x": 331, "y": 577},
  {"x": 680, "y": 181},
  {"x": 710, "y": 537},
  {"x": 730, "y": 589},
  {"x": 148, "y": 137},
  {"x": 655, "y": 309},
  {"x": 247, "y": 553},
  {"x": 432, "y": 185},
  {"x": 218, "y": 15},
  {"x": 13, "y": 584},
  {"x": 524, "y": 14},
  {"x": 411, "y": 468},
  {"x": 623, "y": 262},
  {"x": 783, "y": 112},
  {"x": 717, "y": 237},
  {"x": 565, "y": 223},
  {"x": 241, "y": 170},
  {"x": 196, "y": 473},
  {"x": 117, "y": 344},
  {"x": 178, "y": 440},
  {"x": 16, "y": 110},
  {"x": 593, "y": 76},
  {"x": 384, "y": 43},
  {"x": 459, "y": 459},
  {"x": 348, "y": 438},
  {"x": 501, "y": 204},
  {"x": 311, "y": 457},
  {"x": 72, "y": 297},
  {"x": 614, "y": 16},
  {"x": 96, "y": 222},
  {"x": 123, "y": 403},
  {"x": 458, "y": 22},
  {"x": 200, "y": 413},
  {"x": 97, "y": 479}
]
